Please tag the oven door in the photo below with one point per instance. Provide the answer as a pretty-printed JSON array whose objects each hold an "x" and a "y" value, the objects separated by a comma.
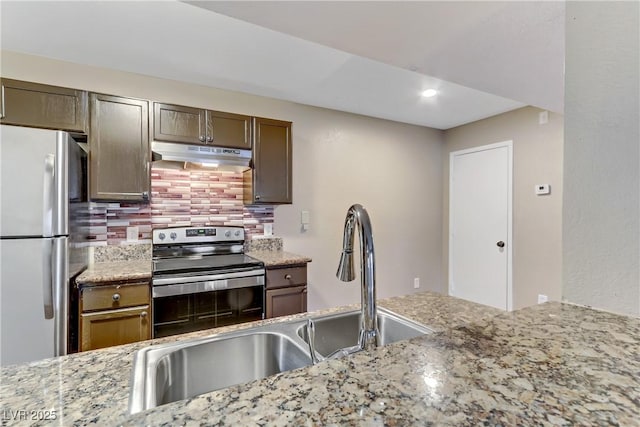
[{"x": 186, "y": 307}]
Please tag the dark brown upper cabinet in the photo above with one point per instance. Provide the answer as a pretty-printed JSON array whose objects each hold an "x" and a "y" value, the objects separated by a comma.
[
  {"x": 269, "y": 181},
  {"x": 42, "y": 106},
  {"x": 175, "y": 123},
  {"x": 119, "y": 148}
]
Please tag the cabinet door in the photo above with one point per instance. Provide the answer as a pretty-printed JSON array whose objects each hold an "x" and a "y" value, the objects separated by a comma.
[
  {"x": 42, "y": 106},
  {"x": 119, "y": 148},
  {"x": 271, "y": 161},
  {"x": 114, "y": 327},
  {"x": 286, "y": 301},
  {"x": 228, "y": 130},
  {"x": 175, "y": 123}
]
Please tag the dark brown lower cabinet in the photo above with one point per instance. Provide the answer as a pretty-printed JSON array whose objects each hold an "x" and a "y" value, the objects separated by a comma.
[
  {"x": 286, "y": 292},
  {"x": 113, "y": 314},
  {"x": 286, "y": 301},
  {"x": 114, "y": 327}
]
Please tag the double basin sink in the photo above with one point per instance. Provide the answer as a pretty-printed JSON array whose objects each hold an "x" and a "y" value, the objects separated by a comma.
[{"x": 176, "y": 371}]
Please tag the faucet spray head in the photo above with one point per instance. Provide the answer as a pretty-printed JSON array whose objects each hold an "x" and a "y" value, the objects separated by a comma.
[{"x": 346, "y": 272}]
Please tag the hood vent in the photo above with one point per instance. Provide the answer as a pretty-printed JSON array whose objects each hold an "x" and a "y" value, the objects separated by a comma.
[{"x": 203, "y": 154}]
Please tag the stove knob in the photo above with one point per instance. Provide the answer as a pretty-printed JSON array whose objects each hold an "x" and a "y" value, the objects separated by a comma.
[
  {"x": 161, "y": 236},
  {"x": 237, "y": 233},
  {"x": 227, "y": 233},
  {"x": 173, "y": 236}
]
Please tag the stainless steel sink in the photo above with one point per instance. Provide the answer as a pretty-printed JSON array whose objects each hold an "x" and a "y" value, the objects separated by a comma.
[
  {"x": 167, "y": 373},
  {"x": 175, "y": 371},
  {"x": 337, "y": 331}
]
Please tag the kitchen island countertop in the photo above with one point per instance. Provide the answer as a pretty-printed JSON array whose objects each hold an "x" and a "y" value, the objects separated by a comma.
[{"x": 550, "y": 364}]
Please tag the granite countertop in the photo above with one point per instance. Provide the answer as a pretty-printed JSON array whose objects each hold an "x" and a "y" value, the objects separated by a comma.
[
  {"x": 105, "y": 272},
  {"x": 550, "y": 364},
  {"x": 114, "y": 268},
  {"x": 278, "y": 258}
]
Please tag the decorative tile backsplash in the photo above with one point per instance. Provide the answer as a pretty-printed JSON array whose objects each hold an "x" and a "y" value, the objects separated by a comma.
[
  {"x": 108, "y": 222},
  {"x": 179, "y": 197}
]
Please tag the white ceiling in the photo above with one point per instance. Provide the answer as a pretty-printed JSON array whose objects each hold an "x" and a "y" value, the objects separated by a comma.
[
  {"x": 178, "y": 41},
  {"x": 513, "y": 49}
]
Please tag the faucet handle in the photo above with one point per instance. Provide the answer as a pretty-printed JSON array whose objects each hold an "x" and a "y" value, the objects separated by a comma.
[{"x": 311, "y": 338}]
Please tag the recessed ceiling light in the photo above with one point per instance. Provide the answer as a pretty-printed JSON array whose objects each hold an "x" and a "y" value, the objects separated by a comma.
[{"x": 429, "y": 93}]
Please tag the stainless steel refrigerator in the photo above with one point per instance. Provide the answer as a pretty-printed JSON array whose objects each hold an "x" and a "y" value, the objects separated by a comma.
[{"x": 43, "y": 239}]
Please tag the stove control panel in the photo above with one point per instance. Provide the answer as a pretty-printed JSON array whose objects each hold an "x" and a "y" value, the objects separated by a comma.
[
  {"x": 196, "y": 232},
  {"x": 177, "y": 235}
]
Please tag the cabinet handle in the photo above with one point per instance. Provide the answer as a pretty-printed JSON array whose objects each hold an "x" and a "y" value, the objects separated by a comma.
[
  {"x": 2, "y": 101},
  {"x": 145, "y": 195},
  {"x": 288, "y": 277},
  {"x": 257, "y": 197},
  {"x": 116, "y": 297},
  {"x": 201, "y": 138},
  {"x": 143, "y": 314},
  {"x": 209, "y": 139}
]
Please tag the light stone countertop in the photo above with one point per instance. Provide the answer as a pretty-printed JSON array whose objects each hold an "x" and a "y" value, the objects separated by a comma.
[
  {"x": 551, "y": 364},
  {"x": 140, "y": 269},
  {"x": 105, "y": 272},
  {"x": 278, "y": 258}
]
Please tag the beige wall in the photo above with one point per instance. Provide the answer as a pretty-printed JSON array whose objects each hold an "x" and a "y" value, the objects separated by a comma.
[
  {"x": 393, "y": 169},
  {"x": 602, "y": 156},
  {"x": 537, "y": 220}
]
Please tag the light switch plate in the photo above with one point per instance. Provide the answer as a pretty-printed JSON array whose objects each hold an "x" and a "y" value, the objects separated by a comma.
[
  {"x": 268, "y": 229},
  {"x": 543, "y": 117},
  {"x": 304, "y": 217}
]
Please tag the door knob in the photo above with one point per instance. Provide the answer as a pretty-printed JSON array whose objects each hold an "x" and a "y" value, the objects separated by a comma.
[{"x": 500, "y": 244}]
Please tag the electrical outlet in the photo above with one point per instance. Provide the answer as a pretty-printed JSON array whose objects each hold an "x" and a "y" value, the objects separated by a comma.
[
  {"x": 416, "y": 283},
  {"x": 542, "y": 298},
  {"x": 542, "y": 189},
  {"x": 132, "y": 234}
]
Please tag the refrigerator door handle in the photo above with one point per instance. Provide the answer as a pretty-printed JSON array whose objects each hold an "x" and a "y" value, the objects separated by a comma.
[
  {"x": 47, "y": 278},
  {"x": 60, "y": 292},
  {"x": 47, "y": 195}
]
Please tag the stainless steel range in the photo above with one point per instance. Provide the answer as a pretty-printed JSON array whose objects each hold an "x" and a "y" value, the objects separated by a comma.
[{"x": 202, "y": 279}]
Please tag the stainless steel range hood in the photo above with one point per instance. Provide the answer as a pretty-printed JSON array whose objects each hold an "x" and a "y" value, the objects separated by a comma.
[{"x": 205, "y": 155}]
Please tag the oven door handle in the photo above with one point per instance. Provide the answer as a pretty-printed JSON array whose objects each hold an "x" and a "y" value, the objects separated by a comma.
[
  {"x": 206, "y": 278},
  {"x": 206, "y": 286}
]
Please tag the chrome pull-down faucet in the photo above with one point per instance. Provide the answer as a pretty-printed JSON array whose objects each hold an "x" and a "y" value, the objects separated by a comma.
[{"x": 357, "y": 217}]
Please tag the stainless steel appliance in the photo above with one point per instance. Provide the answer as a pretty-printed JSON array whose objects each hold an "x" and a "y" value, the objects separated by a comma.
[
  {"x": 43, "y": 242},
  {"x": 202, "y": 279},
  {"x": 209, "y": 155}
]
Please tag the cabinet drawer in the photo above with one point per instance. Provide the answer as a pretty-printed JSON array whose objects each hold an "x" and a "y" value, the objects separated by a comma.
[
  {"x": 114, "y": 296},
  {"x": 281, "y": 277}
]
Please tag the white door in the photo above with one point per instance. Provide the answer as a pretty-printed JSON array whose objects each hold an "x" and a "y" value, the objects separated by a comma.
[{"x": 480, "y": 182}]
